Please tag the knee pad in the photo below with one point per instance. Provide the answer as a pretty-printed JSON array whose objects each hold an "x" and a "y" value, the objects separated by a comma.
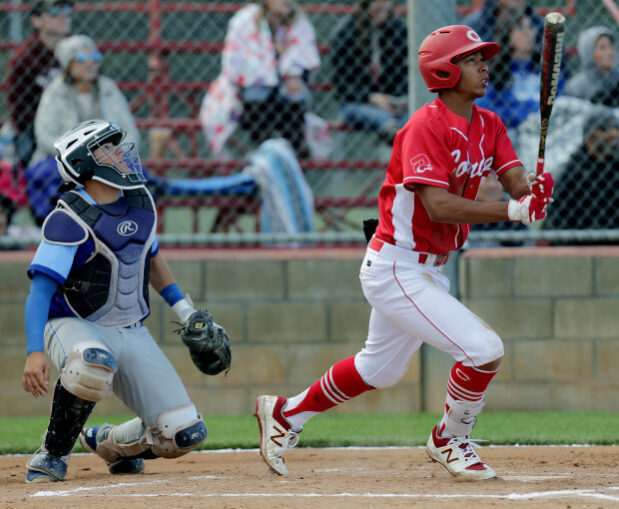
[
  {"x": 179, "y": 431},
  {"x": 88, "y": 371}
]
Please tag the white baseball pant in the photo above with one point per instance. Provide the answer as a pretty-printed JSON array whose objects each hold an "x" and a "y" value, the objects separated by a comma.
[{"x": 410, "y": 306}]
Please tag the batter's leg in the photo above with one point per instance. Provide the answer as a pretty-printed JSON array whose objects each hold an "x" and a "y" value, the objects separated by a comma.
[{"x": 281, "y": 420}]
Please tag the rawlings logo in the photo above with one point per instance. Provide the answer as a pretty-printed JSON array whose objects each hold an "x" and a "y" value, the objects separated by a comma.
[
  {"x": 421, "y": 163},
  {"x": 127, "y": 228}
]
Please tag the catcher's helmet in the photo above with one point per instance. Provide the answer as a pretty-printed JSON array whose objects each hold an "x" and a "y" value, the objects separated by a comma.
[
  {"x": 79, "y": 160},
  {"x": 443, "y": 47}
]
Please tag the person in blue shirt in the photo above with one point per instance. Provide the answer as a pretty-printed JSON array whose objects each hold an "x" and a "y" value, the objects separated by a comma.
[
  {"x": 513, "y": 91},
  {"x": 85, "y": 311}
]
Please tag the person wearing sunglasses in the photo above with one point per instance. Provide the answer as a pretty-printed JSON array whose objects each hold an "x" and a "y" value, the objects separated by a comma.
[
  {"x": 31, "y": 67},
  {"x": 78, "y": 94}
]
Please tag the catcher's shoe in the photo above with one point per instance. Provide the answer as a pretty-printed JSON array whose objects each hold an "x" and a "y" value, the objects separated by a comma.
[
  {"x": 45, "y": 467},
  {"x": 458, "y": 456},
  {"x": 88, "y": 439},
  {"x": 276, "y": 435}
]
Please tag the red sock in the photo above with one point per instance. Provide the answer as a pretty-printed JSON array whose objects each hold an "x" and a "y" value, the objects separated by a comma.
[
  {"x": 339, "y": 384},
  {"x": 467, "y": 383}
]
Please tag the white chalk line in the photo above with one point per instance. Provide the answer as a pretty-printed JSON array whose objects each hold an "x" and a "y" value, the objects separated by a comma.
[
  {"x": 505, "y": 496},
  {"x": 88, "y": 491}
]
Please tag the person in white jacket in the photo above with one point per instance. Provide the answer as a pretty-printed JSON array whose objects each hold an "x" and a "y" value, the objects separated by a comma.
[
  {"x": 79, "y": 93},
  {"x": 269, "y": 53}
]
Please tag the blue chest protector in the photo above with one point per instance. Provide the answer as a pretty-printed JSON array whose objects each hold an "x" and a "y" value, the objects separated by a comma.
[{"x": 111, "y": 286}]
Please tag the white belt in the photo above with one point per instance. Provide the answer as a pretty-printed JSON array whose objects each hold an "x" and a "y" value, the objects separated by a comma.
[{"x": 395, "y": 253}]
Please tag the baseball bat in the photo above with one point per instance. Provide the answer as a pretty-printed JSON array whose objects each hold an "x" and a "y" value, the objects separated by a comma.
[{"x": 552, "y": 53}]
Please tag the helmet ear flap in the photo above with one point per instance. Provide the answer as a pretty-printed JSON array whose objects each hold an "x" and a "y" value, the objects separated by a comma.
[{"x": 84, "y": 169}]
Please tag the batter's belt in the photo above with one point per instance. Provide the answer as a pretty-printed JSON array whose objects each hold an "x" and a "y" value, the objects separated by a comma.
[{"x": 395, "y": 253}]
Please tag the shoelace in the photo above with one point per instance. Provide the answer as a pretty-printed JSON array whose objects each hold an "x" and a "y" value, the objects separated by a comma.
[
  {"x": 468, "y": 447},
  {"x": 291, "y": 439}
]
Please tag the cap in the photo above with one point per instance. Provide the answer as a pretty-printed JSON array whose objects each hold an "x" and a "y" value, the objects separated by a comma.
[
  {"x": 69, "y": 47},
  {"x": 40, "y": 6}
]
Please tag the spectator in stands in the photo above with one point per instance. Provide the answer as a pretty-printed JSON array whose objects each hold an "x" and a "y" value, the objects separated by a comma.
[
  {"x": 598, "y": 79},
  {"x": 269, "y": 52},
  {"x": 79, "y": 93},
  {"x": 513, "y": 92},
  {"x": 496, "y": 17},
  {"x": 369, "y": 68},
  {"x": 32, "y": 67},
  {"x": 586, "y": 191}
]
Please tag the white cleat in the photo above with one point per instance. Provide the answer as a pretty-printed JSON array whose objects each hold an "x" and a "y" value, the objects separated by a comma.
[
  {"x": 458, "y": 456},
  {"x": 276, "y": 436}
]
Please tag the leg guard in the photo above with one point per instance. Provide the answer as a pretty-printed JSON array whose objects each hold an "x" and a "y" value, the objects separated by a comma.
[
  {"x": 461, "y": 416},
  {"x": 85, "y": 379},
  {"x": 69, "y": 414},
  {"x": 179, "y": 431}
]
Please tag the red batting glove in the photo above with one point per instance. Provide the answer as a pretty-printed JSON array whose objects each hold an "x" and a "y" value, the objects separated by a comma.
[
  {"x": 541, "y": 185},
  {"x": 527, "y": 209}
]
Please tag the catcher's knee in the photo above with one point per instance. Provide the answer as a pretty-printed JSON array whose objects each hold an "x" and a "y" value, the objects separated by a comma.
[
  {"x": 88, "y": 371},
  {"x": 179, "y": 431}
]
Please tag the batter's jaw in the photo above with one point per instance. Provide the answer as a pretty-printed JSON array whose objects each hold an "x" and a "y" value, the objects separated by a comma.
[{"x": 276, "y": 435}]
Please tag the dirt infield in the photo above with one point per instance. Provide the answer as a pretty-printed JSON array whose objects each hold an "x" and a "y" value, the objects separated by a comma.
[{"x": 328, "y": 478}]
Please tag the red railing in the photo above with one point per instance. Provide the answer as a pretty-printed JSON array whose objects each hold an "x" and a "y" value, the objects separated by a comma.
[{"x": 156, "y": 91}]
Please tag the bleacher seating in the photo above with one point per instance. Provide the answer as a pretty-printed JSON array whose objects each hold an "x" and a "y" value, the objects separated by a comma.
[{"x": 154, "y": 94}]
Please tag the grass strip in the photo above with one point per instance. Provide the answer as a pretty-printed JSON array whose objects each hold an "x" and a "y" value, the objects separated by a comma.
[{"x": 23, "y": 434}]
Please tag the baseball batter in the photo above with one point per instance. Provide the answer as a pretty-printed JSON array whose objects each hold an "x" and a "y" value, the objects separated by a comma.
[
  {"x": 88, "y": 298},
  {"x": 426, "y": 206}
]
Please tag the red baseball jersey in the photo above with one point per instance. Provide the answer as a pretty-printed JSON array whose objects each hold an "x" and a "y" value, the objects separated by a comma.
[{"x": 436, "y": 147}]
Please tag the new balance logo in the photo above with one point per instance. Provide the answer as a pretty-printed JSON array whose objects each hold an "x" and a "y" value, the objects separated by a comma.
[
  {"x": 282, "y": 434},
  {"x": 449, "y": 452}
]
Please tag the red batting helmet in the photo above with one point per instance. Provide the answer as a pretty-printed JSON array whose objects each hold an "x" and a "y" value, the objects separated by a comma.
[{"x": 443, "y": 47}]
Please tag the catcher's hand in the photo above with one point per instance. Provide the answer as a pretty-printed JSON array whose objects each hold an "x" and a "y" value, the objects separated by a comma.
[{"x": 208, "y": 343}]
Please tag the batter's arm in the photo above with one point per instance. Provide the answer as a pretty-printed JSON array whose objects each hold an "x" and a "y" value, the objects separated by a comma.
[
  {"x": 444, "y": 207},
  {"x": 514, "y": 181}
]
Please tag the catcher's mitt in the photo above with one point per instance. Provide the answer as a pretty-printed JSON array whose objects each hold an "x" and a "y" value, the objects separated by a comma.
[{"x": 208, "y": 343}]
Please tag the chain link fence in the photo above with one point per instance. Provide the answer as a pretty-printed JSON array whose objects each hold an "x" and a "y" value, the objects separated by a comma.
[{"x": 204, "y": 87}]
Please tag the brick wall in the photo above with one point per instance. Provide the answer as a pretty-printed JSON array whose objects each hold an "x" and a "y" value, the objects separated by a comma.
[{"x": 293, "y": 313}]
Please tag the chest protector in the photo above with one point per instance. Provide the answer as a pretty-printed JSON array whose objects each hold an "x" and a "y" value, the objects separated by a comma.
[{"x": 111, "y": 288}]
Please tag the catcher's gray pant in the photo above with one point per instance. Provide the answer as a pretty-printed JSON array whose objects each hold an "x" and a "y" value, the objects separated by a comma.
[{"x": 145, "y": 379}]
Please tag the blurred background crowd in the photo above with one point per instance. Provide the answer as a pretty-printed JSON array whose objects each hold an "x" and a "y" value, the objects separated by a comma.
[{"x": 203, "y": 90}]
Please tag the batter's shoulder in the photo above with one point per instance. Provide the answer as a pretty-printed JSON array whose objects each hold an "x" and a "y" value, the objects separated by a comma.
[
  {"x": 63, "y": 229},
  {"x": 488, "y": 116}
]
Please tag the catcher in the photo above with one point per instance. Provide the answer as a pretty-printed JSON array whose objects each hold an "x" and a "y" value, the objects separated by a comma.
[{"x": 87, "y": 302}]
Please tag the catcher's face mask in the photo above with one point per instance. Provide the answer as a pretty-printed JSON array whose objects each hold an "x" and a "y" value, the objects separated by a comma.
[{"x": 123, "y": 159}]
